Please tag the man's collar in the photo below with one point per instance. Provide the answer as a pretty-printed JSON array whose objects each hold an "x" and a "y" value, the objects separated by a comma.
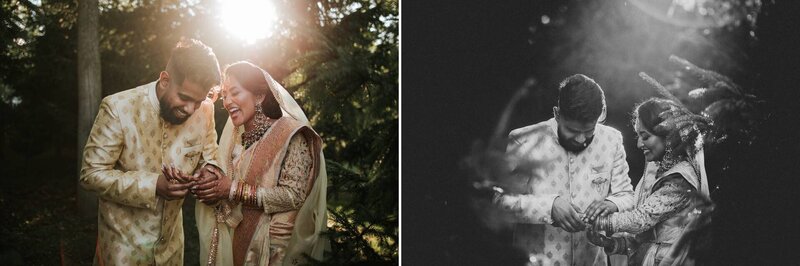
[
  {"x": 553, "y": 125},
  {"x": 152, "y": 97}
]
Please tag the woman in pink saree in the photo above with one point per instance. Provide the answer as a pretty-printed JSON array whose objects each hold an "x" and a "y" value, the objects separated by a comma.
[{"x": 268, "y": 207}]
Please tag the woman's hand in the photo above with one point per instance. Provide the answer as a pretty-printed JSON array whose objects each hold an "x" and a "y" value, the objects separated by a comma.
[
  {"x": 566, "y": 215},
  {"x": 213, "y": 185},
  {"x": 172, "y": 184},
  {"x": 598, "y": 208},
  {"x": 598, "y": 239}
]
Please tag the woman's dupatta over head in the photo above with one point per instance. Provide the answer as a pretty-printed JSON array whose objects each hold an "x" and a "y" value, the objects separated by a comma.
[{"x": 307, "y": 238}]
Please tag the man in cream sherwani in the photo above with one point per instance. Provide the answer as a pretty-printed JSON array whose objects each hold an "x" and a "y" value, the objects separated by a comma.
[
  {"x": 165, "y": 122},
  {"x": 571, "y": 166}
]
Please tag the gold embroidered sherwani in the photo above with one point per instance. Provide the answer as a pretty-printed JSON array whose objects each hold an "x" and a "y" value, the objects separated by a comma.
[
  {"x": 600, "y": 172},
  {"x": 121, "y": 163}
]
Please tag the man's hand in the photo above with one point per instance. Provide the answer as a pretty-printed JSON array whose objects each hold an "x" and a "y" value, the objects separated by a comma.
[
  {"x": 213, "y": 185},
  {"x": 497, "y": 195},
  {"x": 484, "y": 190},
  {"x": 173, "y": 175},
  {"x": 565, "y": 215},
  {"x": 597, "y": 209},
  {"x": 171, "y": 190},
  {"x": 204, "y": 176}
]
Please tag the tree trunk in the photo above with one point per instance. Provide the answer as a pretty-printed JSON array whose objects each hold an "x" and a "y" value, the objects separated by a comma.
[{"x": 89, "y": 89}]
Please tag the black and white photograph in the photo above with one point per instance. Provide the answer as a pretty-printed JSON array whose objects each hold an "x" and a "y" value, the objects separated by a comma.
[{"x": 623, "y": 132}]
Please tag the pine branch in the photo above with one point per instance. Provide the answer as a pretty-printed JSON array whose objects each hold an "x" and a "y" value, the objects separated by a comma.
[{"x": 660, "y": 88}]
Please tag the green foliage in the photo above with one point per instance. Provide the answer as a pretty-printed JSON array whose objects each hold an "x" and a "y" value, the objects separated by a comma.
[
  {"x": 338, "y": 58},
  {"x": 348, "y": 84},
  {"x": 34, "y": 68}
]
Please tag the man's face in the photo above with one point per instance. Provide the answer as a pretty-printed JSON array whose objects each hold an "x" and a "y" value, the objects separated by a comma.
[
  {"x": 575, "y": 135},
  {"x": 179, "y": 101}
]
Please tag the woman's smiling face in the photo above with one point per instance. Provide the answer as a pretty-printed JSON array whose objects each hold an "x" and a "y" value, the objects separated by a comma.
[
  {"x": 240, "y": 103},
  {"x": 652, "y": 145}
]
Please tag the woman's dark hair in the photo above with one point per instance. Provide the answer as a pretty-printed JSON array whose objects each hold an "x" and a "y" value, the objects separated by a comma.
[
  {"x": 648, "y": 113},
  {"x": 652, "y": 112},
  {"x": 252, "y": 78}
]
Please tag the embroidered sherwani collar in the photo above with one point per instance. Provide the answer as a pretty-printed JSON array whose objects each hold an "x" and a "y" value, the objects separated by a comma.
[
  {"x": 553, "y": 125},
  {"x": 152, "y": 97}
]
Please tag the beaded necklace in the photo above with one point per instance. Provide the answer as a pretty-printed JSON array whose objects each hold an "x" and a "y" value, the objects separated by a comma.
[{"x": 262, "y": 124}]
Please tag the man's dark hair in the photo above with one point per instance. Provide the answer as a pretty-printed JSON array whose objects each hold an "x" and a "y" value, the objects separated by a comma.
[
  {"x": 581, "y": 99},
  {"x": 193, "y": 60}
]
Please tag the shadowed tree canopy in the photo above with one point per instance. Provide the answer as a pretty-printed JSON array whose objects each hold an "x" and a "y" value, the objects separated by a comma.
[{"x": 339, "y": 59}]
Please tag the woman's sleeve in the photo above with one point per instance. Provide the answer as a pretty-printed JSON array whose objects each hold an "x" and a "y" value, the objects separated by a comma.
[
  {"x": 290, "y": 193},
  {"x": 672, "y": 196}
]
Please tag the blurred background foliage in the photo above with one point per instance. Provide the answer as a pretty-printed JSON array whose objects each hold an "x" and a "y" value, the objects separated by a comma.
[{"x": 338, "y": 58}]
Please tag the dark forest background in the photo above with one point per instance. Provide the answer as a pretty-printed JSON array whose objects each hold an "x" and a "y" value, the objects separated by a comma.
[
  {"x": 464, "y": 62},
  {"x": 338, "y": 58}
]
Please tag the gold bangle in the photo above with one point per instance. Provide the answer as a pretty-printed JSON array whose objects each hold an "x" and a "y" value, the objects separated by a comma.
[
  {"x": 598, "y": 224},
  {"x": 601, "y": 224},
  {"x": 255, "y": 196},
  {"x": 246, "y": 193},
  {"x": 607, "y": 225},
  {"x": 239, "y": 191},
  {"x": 249, "y": 195}
]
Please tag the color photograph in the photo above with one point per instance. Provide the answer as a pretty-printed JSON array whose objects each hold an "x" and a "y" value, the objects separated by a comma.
[{"x": 199, "y": 132}]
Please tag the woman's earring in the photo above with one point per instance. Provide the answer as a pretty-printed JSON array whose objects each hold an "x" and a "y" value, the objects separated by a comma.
[
  {"x": 259, "y": 109},
  {"x": 260, "y": 117}
]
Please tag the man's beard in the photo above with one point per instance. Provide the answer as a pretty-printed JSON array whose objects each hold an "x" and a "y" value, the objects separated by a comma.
[
  {"x": 168, "y": 115},
  {"x": 572, "y": 146}
]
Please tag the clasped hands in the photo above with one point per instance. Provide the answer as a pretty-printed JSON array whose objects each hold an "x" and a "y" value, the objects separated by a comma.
[
  {"x": 568, "y": 216},
  {"x": 208, "y": 184}
]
